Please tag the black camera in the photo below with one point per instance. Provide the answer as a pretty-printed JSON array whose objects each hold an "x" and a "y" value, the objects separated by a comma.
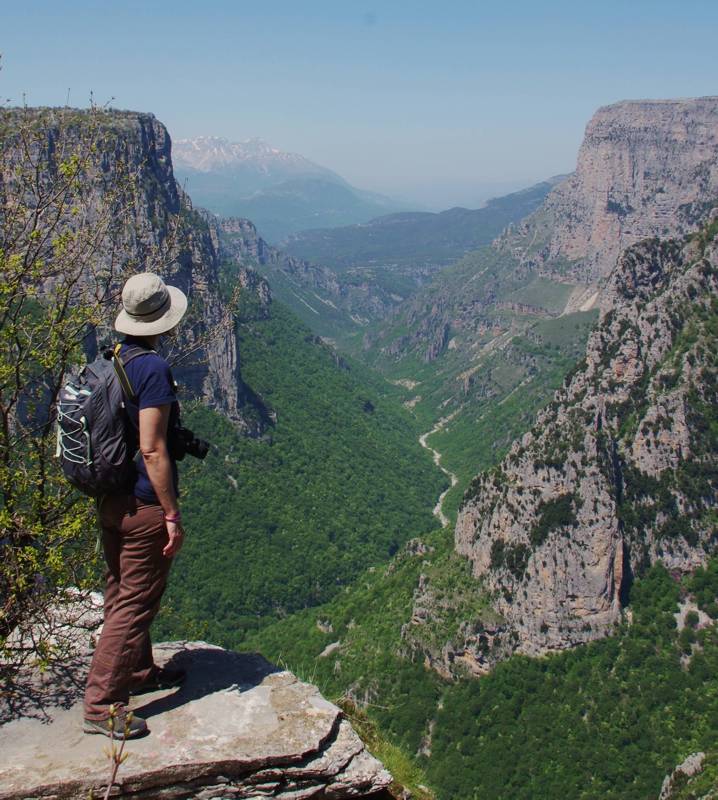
[{"x": 183, "y": 441}]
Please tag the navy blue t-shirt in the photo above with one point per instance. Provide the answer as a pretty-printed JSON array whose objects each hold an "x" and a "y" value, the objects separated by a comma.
[{"x": 151, "y": 379}]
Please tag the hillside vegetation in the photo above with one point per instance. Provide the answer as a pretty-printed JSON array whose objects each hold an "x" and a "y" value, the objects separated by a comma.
[
  {"x": 471, "y": 351},
  {"x": 586, "y": 723},
  {"x": 284, "y": 522},
  {"x": 607, "y": 719},
  {"x": 416, "y": 238}
]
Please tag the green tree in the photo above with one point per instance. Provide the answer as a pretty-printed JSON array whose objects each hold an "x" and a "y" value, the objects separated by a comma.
[{"x": 62, "y": 213}]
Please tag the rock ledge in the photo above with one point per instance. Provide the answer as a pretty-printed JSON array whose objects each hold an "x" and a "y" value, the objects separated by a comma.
[{"x": 239, "y": 727}]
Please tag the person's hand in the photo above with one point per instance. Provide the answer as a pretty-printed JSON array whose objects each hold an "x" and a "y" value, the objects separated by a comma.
[{"x": 175, "y": 535}]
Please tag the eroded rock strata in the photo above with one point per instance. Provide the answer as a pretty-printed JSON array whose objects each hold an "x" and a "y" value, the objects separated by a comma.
[
  {"x": 619, "y": 471},
  {"x": 645, "y": 168}
]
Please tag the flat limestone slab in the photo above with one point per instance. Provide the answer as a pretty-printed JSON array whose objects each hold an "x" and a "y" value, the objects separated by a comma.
[{"x": 238, "y": 726}]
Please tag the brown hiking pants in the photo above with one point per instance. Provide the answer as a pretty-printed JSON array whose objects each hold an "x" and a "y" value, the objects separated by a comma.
[{"x": 133, "y": 535}]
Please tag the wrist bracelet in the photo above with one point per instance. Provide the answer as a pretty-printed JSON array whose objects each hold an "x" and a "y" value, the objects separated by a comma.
[{"x": 176, "y": 518}]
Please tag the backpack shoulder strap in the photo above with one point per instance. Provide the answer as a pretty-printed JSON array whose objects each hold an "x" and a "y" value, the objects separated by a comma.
[{"x": 119, "y": 363}]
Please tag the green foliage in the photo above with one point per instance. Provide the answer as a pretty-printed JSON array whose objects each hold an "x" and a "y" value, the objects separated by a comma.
[
  {"x": 373, "y": 665},
  {"x": 57, "y": 213},
  {"x": 703, "y": 585},
  {"x": 707, "y": 234},
  {"x": 405, "y": 771},
  {"x": 585, "y": 723},
  {"x": 552, "y": 514},
  {"x": 620, "y": 210},
  {"x": 285, "y": 522},
  {"x": 514, "y": 557},
  {"x": 454, "y": 599}
]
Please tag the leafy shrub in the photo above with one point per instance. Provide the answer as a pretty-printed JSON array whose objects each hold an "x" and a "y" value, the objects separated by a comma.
[
  {"x": 514, "y": 558},
  {"x": 557, "y": 513}
]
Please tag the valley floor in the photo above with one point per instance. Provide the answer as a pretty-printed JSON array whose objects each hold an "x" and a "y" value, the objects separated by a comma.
[{"x": 439, "y": 507}]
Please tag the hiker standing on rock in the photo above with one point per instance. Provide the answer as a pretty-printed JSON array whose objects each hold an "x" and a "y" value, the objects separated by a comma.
[{"x": 142, "y": 529}]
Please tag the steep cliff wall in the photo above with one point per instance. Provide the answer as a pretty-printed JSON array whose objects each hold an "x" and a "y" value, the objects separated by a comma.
[
  {"x": 240, "y": 240},
  {"x": 645, "y": 168},
  {"x": 619, "y": 471},
  {"x": 129, "y": 174}
]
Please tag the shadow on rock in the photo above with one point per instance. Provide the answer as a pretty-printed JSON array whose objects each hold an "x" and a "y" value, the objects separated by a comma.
[
  {"x": 209, "y": 670},
  {"x": 34, "y": 693}
]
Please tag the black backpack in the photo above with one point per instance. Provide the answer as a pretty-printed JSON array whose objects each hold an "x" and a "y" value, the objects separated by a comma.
[{"x": 93, "y": 426}]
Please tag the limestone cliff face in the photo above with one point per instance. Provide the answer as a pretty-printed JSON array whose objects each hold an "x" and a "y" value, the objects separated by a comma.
[
  {"x": 239, "y": 238},
  {"x": 155, "y": 229},
  {"x": 619, "y": 471},
  {"x": 645, "y": 168},
  {"x": 212, "y": 371},
  {"x": 349, "y": 300}
]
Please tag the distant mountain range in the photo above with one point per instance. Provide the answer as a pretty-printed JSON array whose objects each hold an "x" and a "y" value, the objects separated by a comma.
[
  {"x": 342, "y": 301},
  {"x": 282, "y": 193},
  {"x": 417, "y": 238},
  {"x": 255, "y": 162}
]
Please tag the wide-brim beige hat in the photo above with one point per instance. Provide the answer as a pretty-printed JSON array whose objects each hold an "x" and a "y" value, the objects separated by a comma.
[{"x": 149, "y": 306}]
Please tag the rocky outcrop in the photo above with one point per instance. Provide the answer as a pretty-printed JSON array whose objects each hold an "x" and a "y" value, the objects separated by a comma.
[
  {"x": 619, "y": 471},
  {"x": 645, "y": 168},
  {"x": 476, "y": 638},
  {"x": 238, "y": 238},
  {"x": 154, "y": 228},
  {"x": 238, "y": 727},
  {"x": 691, "y": 766}
]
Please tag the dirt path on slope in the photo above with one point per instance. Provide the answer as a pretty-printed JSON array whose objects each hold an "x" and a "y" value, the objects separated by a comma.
[{"x": 438, "y": 508}]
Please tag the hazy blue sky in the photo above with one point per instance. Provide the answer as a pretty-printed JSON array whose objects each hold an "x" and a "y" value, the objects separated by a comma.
[{"x": 433, "y": 101}]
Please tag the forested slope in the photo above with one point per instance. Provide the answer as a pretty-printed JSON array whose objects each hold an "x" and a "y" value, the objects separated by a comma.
[
  {"x": 276, "y": 524},
  {"x": 606, "y": 721},
  {"x": 482, "y": 347}
]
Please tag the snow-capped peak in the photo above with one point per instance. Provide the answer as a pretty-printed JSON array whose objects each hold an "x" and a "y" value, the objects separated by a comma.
[{"x": 211, "y": 153}]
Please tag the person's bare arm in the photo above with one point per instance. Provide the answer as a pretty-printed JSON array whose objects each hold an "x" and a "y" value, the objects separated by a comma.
[{"x": 153, "y": 446}]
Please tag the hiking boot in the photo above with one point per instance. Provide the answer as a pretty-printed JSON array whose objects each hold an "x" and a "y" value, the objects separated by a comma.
[
  {"x": 124, "y": 724},
  {"x": 161, "y": 678}
]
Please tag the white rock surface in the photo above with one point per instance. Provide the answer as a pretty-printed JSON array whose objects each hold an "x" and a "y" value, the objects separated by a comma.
[
  {"x": 238, "y": 727},
  {"x": 692, "y": 765},
  {"x": 644, "y": 169}
]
